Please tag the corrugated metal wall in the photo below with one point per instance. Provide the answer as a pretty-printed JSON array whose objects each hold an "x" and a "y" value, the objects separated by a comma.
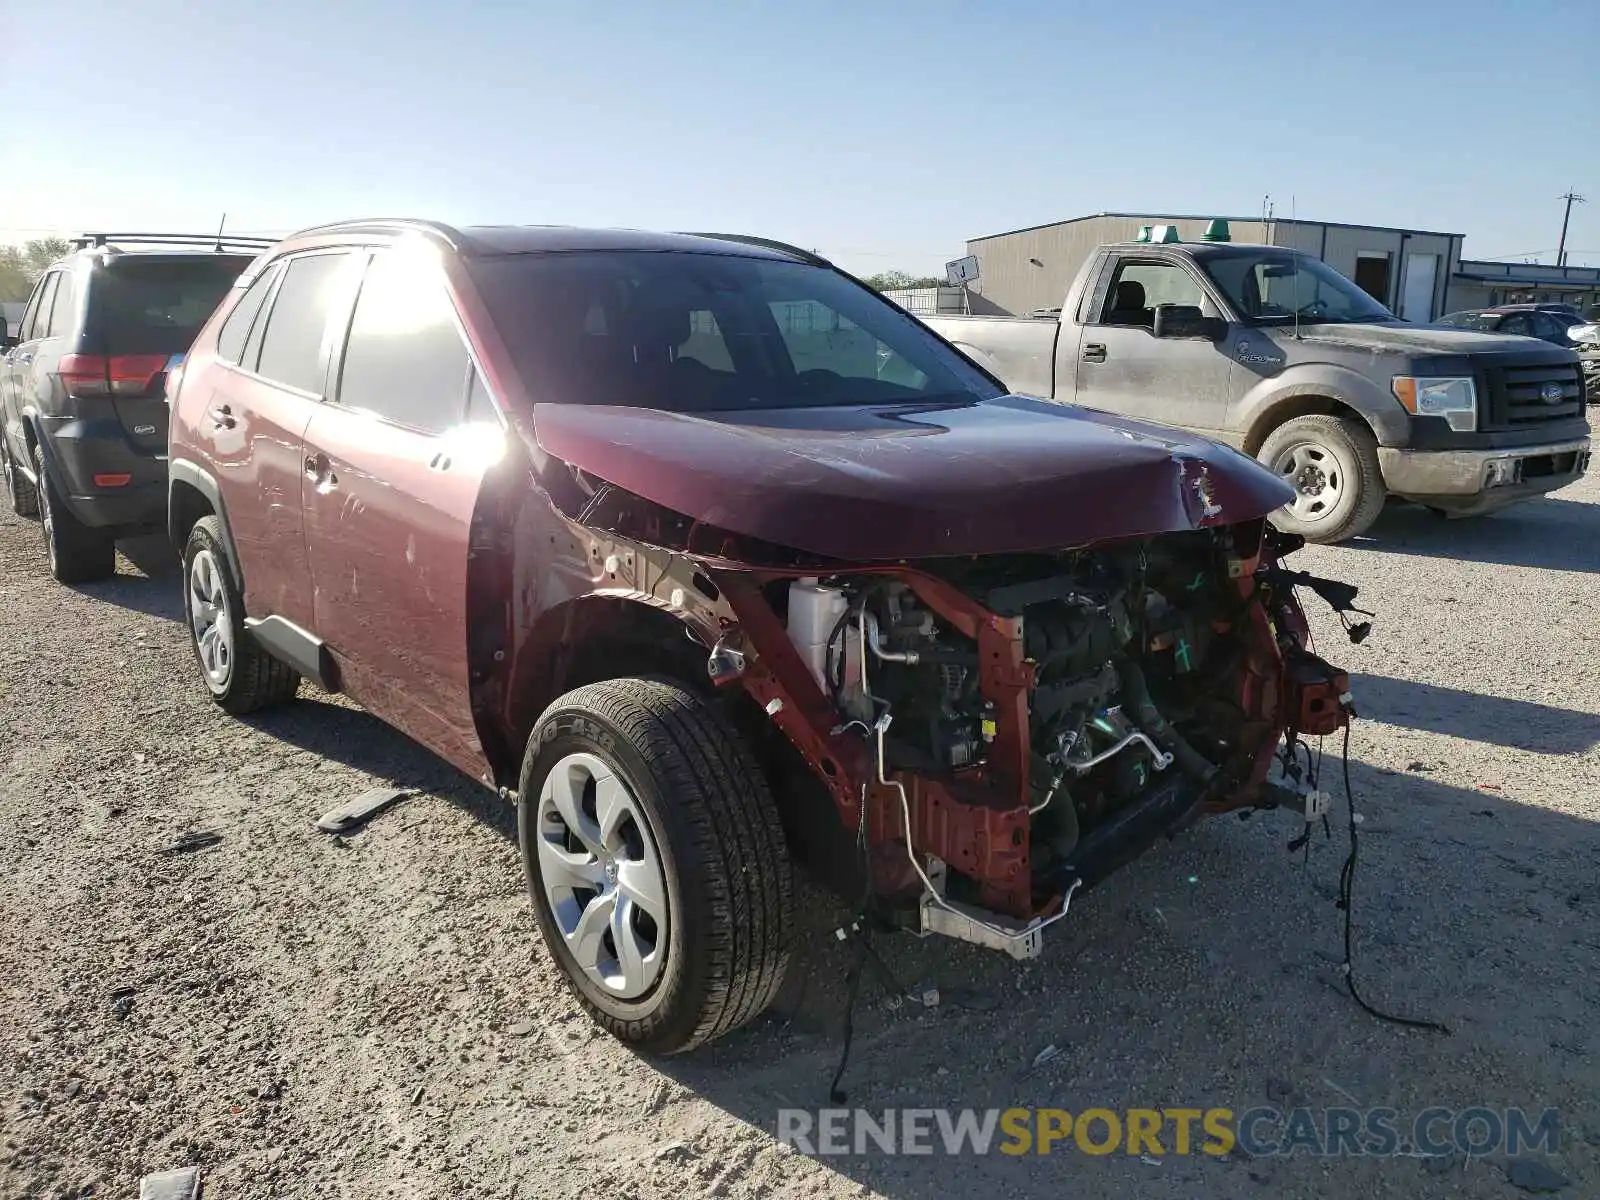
[{"x": 1020, "y": 272}]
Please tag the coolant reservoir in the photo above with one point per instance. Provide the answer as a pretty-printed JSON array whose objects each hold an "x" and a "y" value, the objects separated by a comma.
[{"x": 814, "y": 610}]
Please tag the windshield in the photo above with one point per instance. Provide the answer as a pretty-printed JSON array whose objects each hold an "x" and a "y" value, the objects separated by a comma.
[
  {"x": 1470, "y": 320},
  {"x": 155, "y": 305},
  {"x": 1272, "y": 288},
  {"x": 691, "y": 332}
]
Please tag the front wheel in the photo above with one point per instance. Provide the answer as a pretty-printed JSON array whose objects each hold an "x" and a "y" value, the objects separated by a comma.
[
  {"x": 656, "y": 862},
  {"x": 1332, "y": 464}
]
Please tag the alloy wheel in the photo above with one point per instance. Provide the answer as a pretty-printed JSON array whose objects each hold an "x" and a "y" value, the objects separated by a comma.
[
  {"x": 602, "y": 875},
  {"x": 209, "y": 619}
]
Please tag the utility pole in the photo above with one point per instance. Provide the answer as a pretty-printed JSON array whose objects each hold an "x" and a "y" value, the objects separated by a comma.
[{"x": 1561, "y": 246}]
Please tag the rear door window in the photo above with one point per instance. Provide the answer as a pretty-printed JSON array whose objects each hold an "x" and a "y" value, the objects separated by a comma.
[
  {"x": 156, "y": 305},
  {"x": 236, "y": 329},
  {"x": 404, "y": 358},
  {"x": 292, "y": 342},
  {"x": 30, "y": 315}
]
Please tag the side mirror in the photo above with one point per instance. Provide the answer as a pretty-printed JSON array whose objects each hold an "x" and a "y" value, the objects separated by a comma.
[{"x": 1187, "y": 321}]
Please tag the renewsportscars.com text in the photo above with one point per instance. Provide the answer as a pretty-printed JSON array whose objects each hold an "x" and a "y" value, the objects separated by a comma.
[{"x": 1259, "y": 1132}]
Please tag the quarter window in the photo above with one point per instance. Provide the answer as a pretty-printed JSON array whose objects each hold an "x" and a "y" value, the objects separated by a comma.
[
  {"x": 36, "y": 323},
  {"x": 404, "y": 359},
  {"x": 64, "y": 309},
  {"x": 230, "y": 342},
  {"x": 291, "y": 347}
]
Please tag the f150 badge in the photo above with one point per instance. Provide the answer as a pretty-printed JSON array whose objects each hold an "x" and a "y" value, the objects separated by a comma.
[
  {"x": 1243, "y": 351},
  {"x": 1551, "y": 393}
]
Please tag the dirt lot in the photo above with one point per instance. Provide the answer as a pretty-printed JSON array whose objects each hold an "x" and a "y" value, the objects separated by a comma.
[{"x": 305, "y": 1016}]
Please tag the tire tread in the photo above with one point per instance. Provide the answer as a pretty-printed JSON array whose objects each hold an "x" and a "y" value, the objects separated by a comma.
[{"x": 723, "y": 804}]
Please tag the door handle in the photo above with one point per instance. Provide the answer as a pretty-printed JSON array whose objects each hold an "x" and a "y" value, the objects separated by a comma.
[
  {"x": 222, "y": 417},
  {"x": 1094, "y": 352}
]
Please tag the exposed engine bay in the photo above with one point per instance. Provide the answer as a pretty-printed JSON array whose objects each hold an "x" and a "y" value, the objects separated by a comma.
[{"x": 1155, "y": 676}]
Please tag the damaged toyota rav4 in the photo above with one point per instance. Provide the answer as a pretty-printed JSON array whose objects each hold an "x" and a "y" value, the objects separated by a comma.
[{"x": 711, "y": 560}]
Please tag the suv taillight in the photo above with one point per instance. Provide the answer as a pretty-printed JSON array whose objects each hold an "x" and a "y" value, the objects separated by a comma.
[{"x": 118, "y": 375}]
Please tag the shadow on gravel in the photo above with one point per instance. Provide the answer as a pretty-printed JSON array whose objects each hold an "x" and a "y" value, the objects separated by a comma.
[
  {"x": 156, "y": 591},
  {"x": 1519, "y": 724},
  {"x": 358, "y": 739},
  {"x": 1552, "y": 533},
  {"x": 1206, "y": 974}
]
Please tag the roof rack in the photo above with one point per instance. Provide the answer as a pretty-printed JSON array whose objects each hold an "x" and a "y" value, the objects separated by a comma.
[
  {"x": 814, "y": 259},
  {"x": 213, "y": 241},
  {"x": 451, "y": 236}
]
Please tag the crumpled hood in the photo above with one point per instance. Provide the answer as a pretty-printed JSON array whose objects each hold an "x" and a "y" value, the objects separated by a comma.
[{"x": 879, "y": 482}]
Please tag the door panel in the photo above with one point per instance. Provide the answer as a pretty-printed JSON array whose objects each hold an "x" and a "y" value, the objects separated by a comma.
[
  {"x": 254, "y": 423},
  {"x": 254, "y": 431},
  {"x": 392, "y": 473},
  {"x": 1122, "y": 367},
  {"x": 388, "y": 518}
]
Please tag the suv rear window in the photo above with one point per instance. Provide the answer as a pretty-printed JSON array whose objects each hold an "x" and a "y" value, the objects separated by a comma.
[{"x": 156, "y": 305}]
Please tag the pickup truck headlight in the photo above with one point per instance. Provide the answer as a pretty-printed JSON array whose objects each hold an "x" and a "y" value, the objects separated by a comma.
[{"x": 1454, "y": 399}]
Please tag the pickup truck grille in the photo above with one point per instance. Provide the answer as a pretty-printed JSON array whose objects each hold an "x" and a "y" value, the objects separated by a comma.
[{"x": 1516, "y": 395}]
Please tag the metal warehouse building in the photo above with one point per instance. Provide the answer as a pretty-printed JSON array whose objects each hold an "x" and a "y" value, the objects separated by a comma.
[{"x": 1418, "y": 273}]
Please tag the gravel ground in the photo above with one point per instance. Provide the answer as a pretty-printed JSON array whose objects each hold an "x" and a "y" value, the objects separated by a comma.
[{"x": 375, "y": 1016}]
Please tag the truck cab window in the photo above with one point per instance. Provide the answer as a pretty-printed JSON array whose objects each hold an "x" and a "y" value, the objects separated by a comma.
[{"x": 1140, "y": 287}]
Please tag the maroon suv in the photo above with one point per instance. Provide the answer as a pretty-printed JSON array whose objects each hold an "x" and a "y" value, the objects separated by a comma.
[{"x": 709, "y": 557}]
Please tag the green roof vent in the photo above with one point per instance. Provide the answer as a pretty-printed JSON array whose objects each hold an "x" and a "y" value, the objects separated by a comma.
[
  {"x": 1217, "y": 231},
  {"x": 1164, "y": 233},
  {"x": 1144, "y": 234}
]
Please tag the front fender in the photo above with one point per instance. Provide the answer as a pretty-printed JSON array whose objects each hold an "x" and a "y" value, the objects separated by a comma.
[{"x": 1253, "y": 411}]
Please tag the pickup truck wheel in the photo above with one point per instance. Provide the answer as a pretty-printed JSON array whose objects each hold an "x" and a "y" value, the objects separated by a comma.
[
  {"x": 1332, "y": 463},
  {"x": 656, "y": 862},
  {"x": 240, "y": 675},
  {"x": 24, "y": 499},
  {"x": 77, "y": 553}
]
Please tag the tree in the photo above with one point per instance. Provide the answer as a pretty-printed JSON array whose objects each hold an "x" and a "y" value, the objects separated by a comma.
[
  {"x": 21, "y": 266},
  {"x": 885, "y": 281}
]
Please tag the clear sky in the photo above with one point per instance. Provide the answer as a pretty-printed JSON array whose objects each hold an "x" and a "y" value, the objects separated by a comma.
[{"x": 883, "y": 133}]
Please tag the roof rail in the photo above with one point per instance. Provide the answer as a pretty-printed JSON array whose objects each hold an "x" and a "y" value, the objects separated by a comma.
[
  {"x": 94, "y": 241},
  {"x": 768, "y": 243},
  {"x": 450, "y": 235}
]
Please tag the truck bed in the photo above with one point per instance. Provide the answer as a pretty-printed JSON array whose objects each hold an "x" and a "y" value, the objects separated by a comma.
[{"x": 1020, "y": 350}]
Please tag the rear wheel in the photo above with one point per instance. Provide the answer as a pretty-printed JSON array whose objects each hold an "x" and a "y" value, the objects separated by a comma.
[
  {"x": 1332, "y": 464},
  {"x": 241, "y": 676},
  {"x": 24, "y": 499},
  {"x": 656, "y": 862},
  {"x": 78, "y": 553}
]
